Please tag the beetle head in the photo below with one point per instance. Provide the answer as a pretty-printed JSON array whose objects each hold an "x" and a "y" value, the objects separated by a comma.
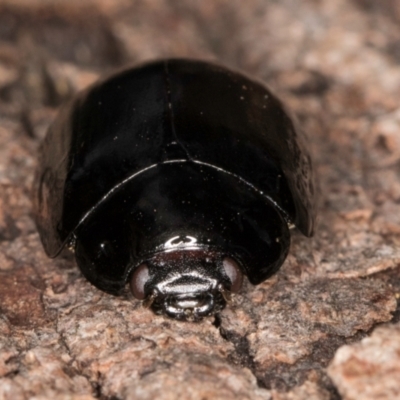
[{"x": 186, "y": 284}]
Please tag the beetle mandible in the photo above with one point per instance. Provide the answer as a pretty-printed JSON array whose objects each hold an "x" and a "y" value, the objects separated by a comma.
[{"x": 178, "y": 177}]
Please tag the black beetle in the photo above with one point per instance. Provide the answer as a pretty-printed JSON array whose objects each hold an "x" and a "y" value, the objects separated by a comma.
[{"x": 178, "y": 176}]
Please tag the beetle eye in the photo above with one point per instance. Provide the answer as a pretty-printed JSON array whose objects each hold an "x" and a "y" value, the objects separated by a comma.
[
  {"x": 234, "y": 273},
  {"x": 139, "y": 280}
]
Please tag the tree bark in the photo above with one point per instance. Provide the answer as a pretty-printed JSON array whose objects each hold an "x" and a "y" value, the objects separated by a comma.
[{"x": 306, "y": 333}]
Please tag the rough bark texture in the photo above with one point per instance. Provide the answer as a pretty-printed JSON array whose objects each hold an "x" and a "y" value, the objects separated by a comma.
[{"x": 337, "y": 66}]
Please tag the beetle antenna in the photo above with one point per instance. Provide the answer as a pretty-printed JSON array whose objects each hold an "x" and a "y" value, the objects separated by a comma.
[
  {"x": 148, "y": 301},
  {"x": 226, "y": 294}
]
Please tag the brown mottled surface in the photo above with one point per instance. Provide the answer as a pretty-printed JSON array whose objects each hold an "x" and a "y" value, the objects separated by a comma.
[
  {"x": 356, "y": 369},
  {"x": 337, "y": 66}
]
